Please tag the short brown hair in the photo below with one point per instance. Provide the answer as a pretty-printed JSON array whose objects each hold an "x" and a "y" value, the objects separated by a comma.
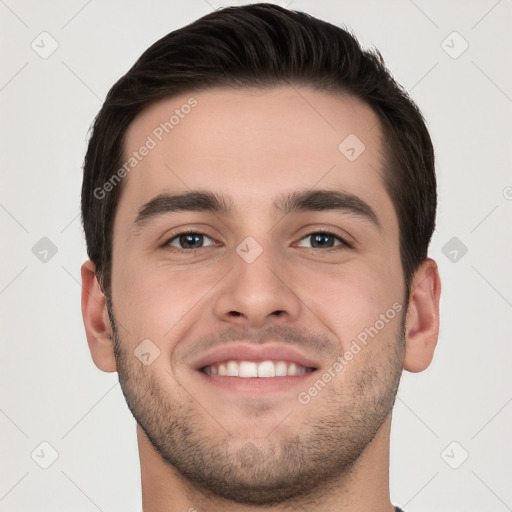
[{"x": 264, "y": 45}]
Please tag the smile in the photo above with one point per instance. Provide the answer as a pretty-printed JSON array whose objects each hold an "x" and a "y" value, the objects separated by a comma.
[{"x": 251, "y": 369}]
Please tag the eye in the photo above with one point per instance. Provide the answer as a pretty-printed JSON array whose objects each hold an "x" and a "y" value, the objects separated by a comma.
[
  {"x": 321, "y": 239},
  {"x": 189, "y": 240}
]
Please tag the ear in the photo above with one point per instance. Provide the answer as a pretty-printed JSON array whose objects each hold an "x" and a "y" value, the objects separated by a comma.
[
  {"x": 96, "y": 321},
  {"x": 422, "y": 321}
]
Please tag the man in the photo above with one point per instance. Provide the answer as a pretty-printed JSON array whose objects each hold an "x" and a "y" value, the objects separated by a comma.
[{"x": 258, "y": 200}]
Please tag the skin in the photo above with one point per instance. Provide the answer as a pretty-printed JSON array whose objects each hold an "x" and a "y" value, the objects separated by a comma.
[{"x": 210, "y": 449}]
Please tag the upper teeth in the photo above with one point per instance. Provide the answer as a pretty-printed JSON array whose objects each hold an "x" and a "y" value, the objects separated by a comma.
[{"x": 245, "y": 369}]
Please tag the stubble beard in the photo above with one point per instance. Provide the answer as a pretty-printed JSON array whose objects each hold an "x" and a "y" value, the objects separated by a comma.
[{"x": 277, "y": 469}]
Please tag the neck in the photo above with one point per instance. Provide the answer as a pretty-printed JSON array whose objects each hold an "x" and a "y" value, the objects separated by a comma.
[{"x": 365, "y": 487}]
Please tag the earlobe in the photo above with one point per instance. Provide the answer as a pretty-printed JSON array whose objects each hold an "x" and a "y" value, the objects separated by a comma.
[
  {"x": 422, "y": 323},
  {"x": 96, "y": 321}
]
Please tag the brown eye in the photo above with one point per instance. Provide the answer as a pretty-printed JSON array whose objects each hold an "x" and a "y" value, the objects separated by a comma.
[{"x": 190, "y": 241}]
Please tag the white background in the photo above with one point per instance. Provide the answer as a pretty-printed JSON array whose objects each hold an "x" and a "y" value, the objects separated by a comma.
[{"x": 50, "y": 389}]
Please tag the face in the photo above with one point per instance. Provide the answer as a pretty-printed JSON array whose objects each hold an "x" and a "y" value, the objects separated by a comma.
[{"x": 256, "y": 252}]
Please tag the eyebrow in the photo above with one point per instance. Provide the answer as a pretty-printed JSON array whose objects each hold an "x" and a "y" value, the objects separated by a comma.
[{"x": 298, "y": 201}]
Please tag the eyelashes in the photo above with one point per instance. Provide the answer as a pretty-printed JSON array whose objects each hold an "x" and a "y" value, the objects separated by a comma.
[
  {"x": 322, "y": 240},
  {"x": 322, "y": 236},
  {"x": 187, "y": 237}
]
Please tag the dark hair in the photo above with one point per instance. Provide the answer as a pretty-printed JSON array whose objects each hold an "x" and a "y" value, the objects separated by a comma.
[{"x": 264, "y": 45}]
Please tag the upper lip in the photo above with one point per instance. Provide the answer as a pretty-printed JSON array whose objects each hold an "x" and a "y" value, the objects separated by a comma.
[{"x": 252, "y": 352}]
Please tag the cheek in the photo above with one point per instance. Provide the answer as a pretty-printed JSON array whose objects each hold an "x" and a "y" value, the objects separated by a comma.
[
  {"x": 137, "y": 300},
  {"x": 350, "y": 299},
  {"x": 157, "y": 302}
]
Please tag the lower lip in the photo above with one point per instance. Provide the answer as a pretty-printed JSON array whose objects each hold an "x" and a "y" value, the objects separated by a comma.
[{"x": 256, "y": 384}]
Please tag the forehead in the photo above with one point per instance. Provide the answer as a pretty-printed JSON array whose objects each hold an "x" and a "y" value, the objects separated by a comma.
[{"x": 250, "y": 143}]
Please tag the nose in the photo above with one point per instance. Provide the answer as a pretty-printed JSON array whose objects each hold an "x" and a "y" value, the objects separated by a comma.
[{"x": 258, "y": 293}]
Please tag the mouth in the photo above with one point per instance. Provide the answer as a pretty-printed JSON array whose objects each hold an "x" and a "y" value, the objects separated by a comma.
[
  {"x": 252, "y": 369},
  {"x": 255, "y": 368}
]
